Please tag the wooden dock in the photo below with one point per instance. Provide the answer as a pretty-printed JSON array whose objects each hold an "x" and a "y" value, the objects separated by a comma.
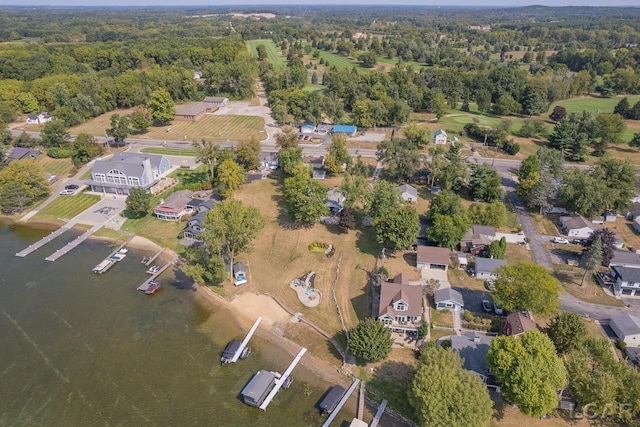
[
  {"x": 153, "y": 258},
  {"x": 40, "y": 243},
  {"x": 282, "y": 379},
  {"x": 334, "y": 413},
  {"x": 379, "y": 413},
  {"x": 145, "y": 283},
  {"x": 108, "y": 262},
  {"x": 360, "y": 415},
  {"x": 244, "y": 343},
  {"x": 71, "y": 245}
]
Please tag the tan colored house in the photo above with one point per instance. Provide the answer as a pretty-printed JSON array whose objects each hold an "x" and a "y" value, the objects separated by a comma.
[
  {"x": 432, "y": 257},
  {"x": 400, "y": 305}
]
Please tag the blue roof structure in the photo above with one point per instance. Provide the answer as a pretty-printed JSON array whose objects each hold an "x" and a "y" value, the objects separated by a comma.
[
  {"x": 308, "y": 125},
  {"x": 344, "y": 129}
]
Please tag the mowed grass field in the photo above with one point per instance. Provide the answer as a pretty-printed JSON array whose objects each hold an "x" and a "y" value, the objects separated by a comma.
[
  {"x": 60, "y": 167},
  {"x": 217, "y": 128},
  {"x": 274, "y": 55},
  {"x": 593, "y": 105},
  {"x": 64, "y": 208}
]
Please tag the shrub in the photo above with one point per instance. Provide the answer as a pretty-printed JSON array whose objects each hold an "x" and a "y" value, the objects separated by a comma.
[
  {"x": 468, "y": 316},
  {"x": 621, "y": 345},
  {"x": 318, "y": 247},
  {"x": 511, "y": 147},
  {"x": 422, "y": 330},
  {"x": 60, "y": 153}
]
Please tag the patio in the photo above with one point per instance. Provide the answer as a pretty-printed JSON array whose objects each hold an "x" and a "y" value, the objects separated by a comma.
[{"x": 307, "y": 294}]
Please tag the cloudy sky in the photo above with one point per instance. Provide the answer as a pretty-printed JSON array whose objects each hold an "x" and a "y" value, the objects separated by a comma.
[{"x": 510, "y": 3}]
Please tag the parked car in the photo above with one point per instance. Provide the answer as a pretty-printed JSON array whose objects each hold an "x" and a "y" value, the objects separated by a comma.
[
  {"x": 306, "y": 137},
  {"x": 67, "y": 192},
  {"x": 486, "y": 305},
  {"x": 489, "y": 285},
  {"x": 560, "y": 240},
  {"x": 71, "y": 187},
  {"x": 497, "y": 308}
]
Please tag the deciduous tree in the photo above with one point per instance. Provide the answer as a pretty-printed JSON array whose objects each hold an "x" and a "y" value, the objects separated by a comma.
[
  {"x": 232, "y": 227},
  {"x": 485, "y": 183},
  {"x": 208, "y": 153},
  {"x": 525, "y": 286},
  {"x": 22, "y": 183},
  {"x": 230, "y": 177},
  {"x": 399, "y": 228},
  {"x": 248, "y": 153},
  {"x": 290, "y": 158},
  {"x": 54, "y": 134},
  {"x": 141, "y": 119},
  {"x": 370, "y": 340},
  {"x": 443, "y": 393},
  {"x": 382, "y": 200},
  {"x": 138, "y": 201},
  {"x": 530, "y": 371},
  {"x": 160, "y": 106},
  {"x": 592, "y": 258},
  {"x": 306, "y": 198},
  {"x": 447, "y": 230},
  {"x": 288, "y": 138},
  {"x": 120, "y": 128},
  {"x": 338, "y": 155},
  {"x": 567, "y": 331}
]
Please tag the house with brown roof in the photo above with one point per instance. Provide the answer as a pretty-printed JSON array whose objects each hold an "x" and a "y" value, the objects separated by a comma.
[
  {"x": 517, "y": 324},
  {"x": 432, "y": 257},
  {"x": 400, "y": 305},
  {"x": 477, "y": 239},
  {"x": 174, "y": 207},
  {"x": 193, "y": 111}
]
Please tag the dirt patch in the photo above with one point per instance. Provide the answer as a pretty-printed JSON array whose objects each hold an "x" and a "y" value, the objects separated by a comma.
[{"x": 248, "y": 306}]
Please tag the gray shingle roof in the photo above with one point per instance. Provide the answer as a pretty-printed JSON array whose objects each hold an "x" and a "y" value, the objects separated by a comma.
[
  {"x": 625, "y": 257},
  {"x": 575, "y": 222},
  {"x": 627, "y": 324},
  {"x": 488, "y": 265},
  {"x": 131, "y": 164},
  {"x": 406, "y": 188},
  {"x": 473, "y": 349},
  {"x": 448, "y": 294},
  {"x": 627, "y": 274}
]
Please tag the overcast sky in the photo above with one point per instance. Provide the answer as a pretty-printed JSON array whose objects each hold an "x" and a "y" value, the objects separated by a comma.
[{"x": 510, "y": 3}]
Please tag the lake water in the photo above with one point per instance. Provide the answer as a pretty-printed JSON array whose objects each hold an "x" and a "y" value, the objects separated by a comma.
[{"x": 80, "y": 349}]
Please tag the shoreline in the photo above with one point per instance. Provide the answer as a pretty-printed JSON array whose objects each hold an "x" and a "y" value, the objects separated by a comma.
[{"x": 244, "y": 307}]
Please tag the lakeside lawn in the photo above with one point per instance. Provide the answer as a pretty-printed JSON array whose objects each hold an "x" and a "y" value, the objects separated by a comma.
[
  {"x": 63, "y": 208},
  {"x": 170, "y": 151}
]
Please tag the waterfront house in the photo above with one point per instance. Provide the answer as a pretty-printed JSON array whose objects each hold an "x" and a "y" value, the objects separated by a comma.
[
  {"x": 432, "y": 257},
  {"x": 126, "y": 171},
  {"x": 195, "y": 227},
  {"x": 400, "y": 306},
  {"x": 174, "y": 207},
  {"x": 485, "y": 268},
  {"x": 448, "y": 299}
]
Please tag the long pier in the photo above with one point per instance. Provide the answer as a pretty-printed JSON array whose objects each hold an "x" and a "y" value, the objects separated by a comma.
[
  {"x": 360, "y": 415},
  {"x": 244, "y": 343},
  {"x": 282, "y": 379},
  {"x": 334, "y": 413},
  {"x": 379, "y": 413},
  {"x": 69, "y": 246},
  {"x": 40, "y": 243},
  {"x": 145, "y": 283},
  {"x": 153, "y": 258}
]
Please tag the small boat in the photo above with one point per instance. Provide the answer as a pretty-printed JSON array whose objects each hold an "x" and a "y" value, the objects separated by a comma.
[
  {"x": 118, "y": 257},
  {"x": 153, "y": 286},
  {"x": 144, "y": 260},
  {"x": 153, "y": 269},
  {"x": 123, "y": 251},
  {"x": 245, "y": 353},
  {"x": 287, "y": 382}
]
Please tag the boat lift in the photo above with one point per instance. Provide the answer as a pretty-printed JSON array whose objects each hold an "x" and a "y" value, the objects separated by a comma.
[
  {"x": 280, "y": 381},
  {"x": 334, "y": 413},
  {"x": 244, "y": 342}
]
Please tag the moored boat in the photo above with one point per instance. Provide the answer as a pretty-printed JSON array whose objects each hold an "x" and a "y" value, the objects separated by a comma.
[
  {"x": 153, "y": 286},
  {"x": 287, "y": 382}
]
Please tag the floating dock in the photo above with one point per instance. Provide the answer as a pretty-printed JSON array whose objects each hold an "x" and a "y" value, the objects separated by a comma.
[
  {"x": 109, "y": 261},
  {"x": 40, "y": 243},
  {"x": 71, "y": 245},
  {"x": 334, "y": 413},
  {"x": 282, "y": 379},
  {"x": 246, "y": 340},
  {"x": 145, "y": 283}
]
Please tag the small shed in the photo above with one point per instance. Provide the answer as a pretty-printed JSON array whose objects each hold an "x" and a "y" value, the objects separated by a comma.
[
  {"x": 440, "y": 137},
  {"x": 448, "y": 299},
  {"x": 408, "y": 193},
  {"x": 239, "y": 271}
]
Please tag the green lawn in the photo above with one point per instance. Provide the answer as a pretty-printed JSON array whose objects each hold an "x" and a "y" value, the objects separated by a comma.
[
  {"x": 394, "y": 62},
  {"x": 170, "y": 151},
  {"x": 60, "y": 167},
  {"x": 66, "y": 207},
  {"x": 274, "y": 55},
  {"x": 312, "y": 88},
  {"x": 592, "y": 105},
  {"x": 340, "y": 61}
]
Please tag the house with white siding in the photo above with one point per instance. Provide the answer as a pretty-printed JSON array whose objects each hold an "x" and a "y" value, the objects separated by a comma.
[{"x": 126, "y": 171}]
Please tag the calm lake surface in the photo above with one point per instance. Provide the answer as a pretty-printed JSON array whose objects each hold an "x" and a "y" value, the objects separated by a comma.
[{"x": 78, "y": 348}]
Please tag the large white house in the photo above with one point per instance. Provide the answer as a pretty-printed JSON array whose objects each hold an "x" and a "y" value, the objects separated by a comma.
[{"x": 126, "y": 171}]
